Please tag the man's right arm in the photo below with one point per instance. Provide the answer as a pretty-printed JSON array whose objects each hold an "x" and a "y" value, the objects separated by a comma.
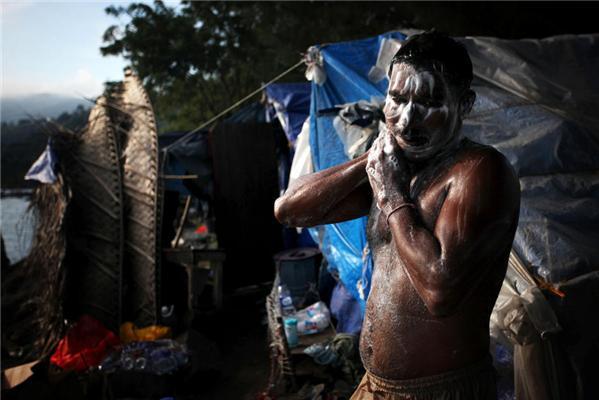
[{"x": 336, "y": 194}]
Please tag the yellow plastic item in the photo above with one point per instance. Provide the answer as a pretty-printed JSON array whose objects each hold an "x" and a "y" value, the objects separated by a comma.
[{"x": 130, "y": 333}]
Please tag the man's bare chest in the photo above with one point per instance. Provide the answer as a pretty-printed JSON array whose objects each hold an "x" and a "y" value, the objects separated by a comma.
[{"x": 427, "y": 193}]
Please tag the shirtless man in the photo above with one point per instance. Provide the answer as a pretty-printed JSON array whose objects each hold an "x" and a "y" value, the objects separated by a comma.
[{"x": 443, "y": 212}]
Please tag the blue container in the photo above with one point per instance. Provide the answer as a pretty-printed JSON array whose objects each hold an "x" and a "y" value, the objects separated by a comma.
[
  {"x": 298, "y": 268},
  {"x": 291, "y": 331}
]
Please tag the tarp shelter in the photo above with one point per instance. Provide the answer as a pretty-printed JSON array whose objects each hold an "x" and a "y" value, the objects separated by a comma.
[{"x": 536, "y": 103}]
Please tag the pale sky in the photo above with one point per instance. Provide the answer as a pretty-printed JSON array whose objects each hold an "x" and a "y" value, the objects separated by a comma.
[{"x": 54, "y": 47}]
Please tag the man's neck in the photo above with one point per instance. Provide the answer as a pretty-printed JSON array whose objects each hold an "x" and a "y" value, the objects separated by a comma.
[{"x": 447, "y": 152}]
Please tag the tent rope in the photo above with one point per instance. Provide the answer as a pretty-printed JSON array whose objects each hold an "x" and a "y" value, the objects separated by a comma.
[{"x": 237, "y": 104}]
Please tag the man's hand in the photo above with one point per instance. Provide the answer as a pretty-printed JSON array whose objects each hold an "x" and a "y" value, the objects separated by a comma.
[{"x": 388, "y": 173}]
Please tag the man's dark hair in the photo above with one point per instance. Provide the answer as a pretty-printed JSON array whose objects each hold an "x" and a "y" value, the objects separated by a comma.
[{"x": 438, "y": 52}]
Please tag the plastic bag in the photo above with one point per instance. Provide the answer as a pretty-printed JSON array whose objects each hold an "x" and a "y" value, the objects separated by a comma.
[
  {"x": 158, "y": 357},
  {"x": 84, "y": 346},
  {"x": 130, "y": 333},
  {"x": 313, "y": 319}
]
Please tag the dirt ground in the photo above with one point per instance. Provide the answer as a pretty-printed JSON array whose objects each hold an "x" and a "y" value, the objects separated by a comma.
[{"x": 229, "y": 361}]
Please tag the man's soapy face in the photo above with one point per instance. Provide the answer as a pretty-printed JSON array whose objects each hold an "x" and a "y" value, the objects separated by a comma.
[{"x": 421, "y": 112}]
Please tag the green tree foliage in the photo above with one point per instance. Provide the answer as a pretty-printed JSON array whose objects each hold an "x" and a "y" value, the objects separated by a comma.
[
  {"x": 198, "y": 58},
  {"x": 75, "y": 120}
]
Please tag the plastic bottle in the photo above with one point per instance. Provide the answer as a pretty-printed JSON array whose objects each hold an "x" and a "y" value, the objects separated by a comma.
[
  {"x": 127, "y": 362},
  {"x": 111, "y": 363},
  {"x": 287, "y": 307},
  {"x": 291, "y": 331},
  {"x": 167, "y": 357},
  {"x": 140, "y": 364}
]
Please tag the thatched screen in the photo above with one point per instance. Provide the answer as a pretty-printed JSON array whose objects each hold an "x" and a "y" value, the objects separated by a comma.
[
  {"x": 32, "y": 290},
  {"x": 142, "y": 195},
  {"x": 90, "y": 162}
]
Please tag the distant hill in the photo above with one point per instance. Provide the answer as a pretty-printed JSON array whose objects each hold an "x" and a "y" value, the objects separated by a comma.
[{"x": 45, "y": 105}]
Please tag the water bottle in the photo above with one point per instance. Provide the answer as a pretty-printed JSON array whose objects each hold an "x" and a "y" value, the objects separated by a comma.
[
  {"x": 167, "y": 312},
  {"x": 287, "y": 308},
  {"x": 140, "y": 364},
  {"x": 291, "y": 332},
  {"x": 163, "y": 362}
]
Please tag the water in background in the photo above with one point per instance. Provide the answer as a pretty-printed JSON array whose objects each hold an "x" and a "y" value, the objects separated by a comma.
[{"x": 16, "y": 226}]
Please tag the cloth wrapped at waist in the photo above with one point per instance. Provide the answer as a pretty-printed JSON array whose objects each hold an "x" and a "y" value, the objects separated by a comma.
[{"x": 476, "y": 381}]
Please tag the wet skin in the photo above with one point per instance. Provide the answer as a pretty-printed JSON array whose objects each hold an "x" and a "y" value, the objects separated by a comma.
[{"x": 440, "y": 260}]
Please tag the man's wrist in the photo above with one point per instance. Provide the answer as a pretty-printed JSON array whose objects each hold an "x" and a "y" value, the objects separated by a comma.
[
  {"x": 396, "y": 201},
  {"x": 398, "y": 208}
]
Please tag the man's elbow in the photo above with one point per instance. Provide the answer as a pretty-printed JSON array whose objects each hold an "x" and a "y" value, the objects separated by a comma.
[
  {"x": 282, "y": 211},
  {"x": 290, "y": 213},
  {"x": 285, "y": 212}
]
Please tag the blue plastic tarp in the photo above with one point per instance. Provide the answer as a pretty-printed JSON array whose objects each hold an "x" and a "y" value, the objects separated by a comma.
[{"x": 291, "y": 102}]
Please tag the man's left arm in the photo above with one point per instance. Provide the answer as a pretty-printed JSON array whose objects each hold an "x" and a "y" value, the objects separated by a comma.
[{"x": 480, "y": 210}]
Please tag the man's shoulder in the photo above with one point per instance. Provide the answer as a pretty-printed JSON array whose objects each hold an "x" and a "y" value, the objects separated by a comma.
[
  {"x": 482, "y": 161},
  {"x": 488, "y": 178}
]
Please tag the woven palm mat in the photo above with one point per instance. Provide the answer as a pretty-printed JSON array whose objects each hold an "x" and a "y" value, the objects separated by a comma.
[
  {"x": 32, "y": 290},
  {"x": 95, "y": 219},
  {"x": 142, "y": 195}
]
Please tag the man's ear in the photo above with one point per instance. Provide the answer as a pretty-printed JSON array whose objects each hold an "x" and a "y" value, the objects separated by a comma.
[{"x": 466, "y": 102}]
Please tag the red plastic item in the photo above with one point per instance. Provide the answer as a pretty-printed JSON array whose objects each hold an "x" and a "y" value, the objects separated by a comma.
[{"x": 85, "y": 345}]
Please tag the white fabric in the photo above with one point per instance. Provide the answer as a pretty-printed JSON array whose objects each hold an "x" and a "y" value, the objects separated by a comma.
[{"x": 302, "y": 159}]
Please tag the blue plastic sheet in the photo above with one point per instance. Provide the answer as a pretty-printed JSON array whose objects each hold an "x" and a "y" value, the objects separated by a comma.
[
  {"x": 291, "y": 102},
  {"x": 346, "y": 65}
]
